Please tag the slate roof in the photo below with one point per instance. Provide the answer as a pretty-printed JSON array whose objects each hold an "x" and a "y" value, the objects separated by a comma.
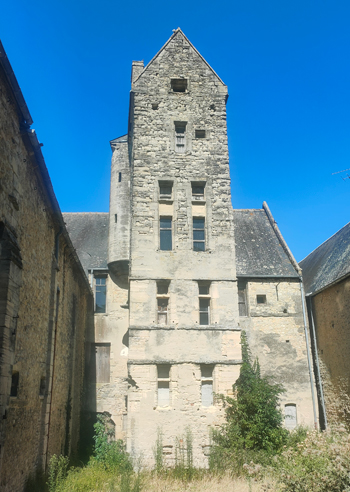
[
  {"x": 328, "y": 263},
  {"x": 259, "y": 251},
  {"x": 89, "y": 235}
]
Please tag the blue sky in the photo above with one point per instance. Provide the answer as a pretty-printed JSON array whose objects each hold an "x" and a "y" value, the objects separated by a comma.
[{"x": 286, "y": 65}]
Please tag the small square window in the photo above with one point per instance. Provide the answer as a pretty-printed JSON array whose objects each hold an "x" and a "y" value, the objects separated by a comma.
[
  {"x": 179, "y": 85},
  {"x": 203, "y": 290},
  {"x": 198, "y": 191},
  {"x": 163, "y": 287},
  {"x": 165, "y": 190},
  {"x": 261, "y": 299},
  {"x": 200, "y": 133}
]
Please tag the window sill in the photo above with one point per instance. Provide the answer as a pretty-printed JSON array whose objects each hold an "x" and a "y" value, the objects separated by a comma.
[
  {"x": 168, "y": 201},
  {"x": 198, "y": 202}
]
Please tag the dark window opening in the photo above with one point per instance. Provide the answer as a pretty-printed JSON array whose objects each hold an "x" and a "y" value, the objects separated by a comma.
[
  {"x": 155, "y": 106},
  {"x": 199, "y": 234},
  {"x": 115, "y": 218},
  {"x": 179, "y": 85},
  {"x": 165, "y": 190},
  {"x": 119, "y": 177},
  {"x": 180, "y": 137},
  {"x": 203, "y": 290},
  {"x": 42, "y": 387},
  {"x": 198, "y": 191},
  {"x": 200, "y": 133},
  {"x": 100, "y": 294},
  {"x": 261, "y": 299},
  {"x": 165, "y": 233},
  {"x": 102, "y": 351},
  {"x": 242, "y": 298},
  {"x": 204, "y": 306},
  {"x": 162, "y": 287},
  {"x": 14, "y": 383}
]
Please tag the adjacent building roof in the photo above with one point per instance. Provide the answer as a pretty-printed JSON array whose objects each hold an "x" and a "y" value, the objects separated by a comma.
[
  {"x": 89, "y": 235},
  {"x": 328, "y": 263},
  {"x": 260, "y": 249}
]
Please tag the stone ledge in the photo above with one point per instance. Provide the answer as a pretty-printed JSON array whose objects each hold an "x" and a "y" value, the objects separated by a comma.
[
  {"x": 189, "y": 328},
  {"x": 229, "y": 362}
]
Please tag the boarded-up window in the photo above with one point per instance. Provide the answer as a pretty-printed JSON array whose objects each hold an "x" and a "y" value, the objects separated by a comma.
[
  {"x": 290, "y": 416},
  {"x": 207, "y": 384},
  {"x": 102, "y": 351},
  {"x": 242, "y": 298},
  {"x": 180, "y": 137},
  {"x": 163, "y": 385}
]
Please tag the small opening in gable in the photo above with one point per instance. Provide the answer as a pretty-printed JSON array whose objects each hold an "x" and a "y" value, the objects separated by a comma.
[{"x": 179, "y": 85}]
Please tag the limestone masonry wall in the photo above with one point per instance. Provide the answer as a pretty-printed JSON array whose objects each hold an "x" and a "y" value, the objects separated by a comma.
[{"x": 45, "y": 310}]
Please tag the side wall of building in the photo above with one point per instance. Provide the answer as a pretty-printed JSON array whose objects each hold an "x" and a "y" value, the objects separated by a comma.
[
  {"x": 45, "y": 311},
  {"x": 275, "y": 330},
  {"x": 331, "y": 309}
]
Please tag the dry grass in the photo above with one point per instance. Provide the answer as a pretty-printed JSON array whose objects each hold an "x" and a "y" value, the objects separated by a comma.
[{"x": 206, "y": 484}]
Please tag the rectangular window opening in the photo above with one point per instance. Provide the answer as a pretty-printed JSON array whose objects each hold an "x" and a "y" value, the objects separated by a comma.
[
  {"x": 198, "y": 191},
  {"x": 179, "y": 85},
  {"x": 165, "y": 233},
  {"x": 207, "y": 385},
  {"x": 163, "y": 374},
  {"x": 102, "y": 351},
  {"x": 200, "y": 133},
  {"x": 100, "y": 294},
  {"x": 14, "y": 383},
  {"x": 198, "y": 234},
  {"x": 162, "y": 311},
  {"x": 261, "y": 299},
  {"x": 165, "y": 190},
  {"x": 163, "y": 287},
  {"x": 204, "y": 311},
  {"x": 242, "y": 298},
  {"x": 180, "y": 136},
  {"x": 119, "y": 177}
]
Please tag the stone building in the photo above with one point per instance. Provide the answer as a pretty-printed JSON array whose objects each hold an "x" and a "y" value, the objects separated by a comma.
[
  {"x": 179, "y": 273},
  {"x": 326, "y": 273},
  {"x": 46, "y": 304}
]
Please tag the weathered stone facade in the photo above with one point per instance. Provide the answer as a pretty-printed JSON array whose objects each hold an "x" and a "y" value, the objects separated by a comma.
[
  {"x": 327, "y": 283},
  {"x": 183, "y": 272},
  {"x": 45, "y": 304}
]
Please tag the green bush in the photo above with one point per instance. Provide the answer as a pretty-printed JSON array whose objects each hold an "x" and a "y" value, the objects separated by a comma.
[
  {"x": 253, "y": 430},
  {"x": 57, "y": 473},
  {"x": 111, "y": 454},
  {"x": 320, "y": 463}
]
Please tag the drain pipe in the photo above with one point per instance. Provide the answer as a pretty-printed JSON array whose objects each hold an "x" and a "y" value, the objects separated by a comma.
[
  {"x": 308, "y": 352},
  {"x": 320, "y": 388}
]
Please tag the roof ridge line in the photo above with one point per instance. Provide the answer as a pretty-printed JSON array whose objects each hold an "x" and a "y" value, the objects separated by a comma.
[
  {"x": 163, "y": 47},
  {"x": 325, "y": 241},
  {"x": 281, "y": 239}
]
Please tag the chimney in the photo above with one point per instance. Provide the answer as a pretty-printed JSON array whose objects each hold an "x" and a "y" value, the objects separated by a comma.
[{"x": 136, "y": 69}]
